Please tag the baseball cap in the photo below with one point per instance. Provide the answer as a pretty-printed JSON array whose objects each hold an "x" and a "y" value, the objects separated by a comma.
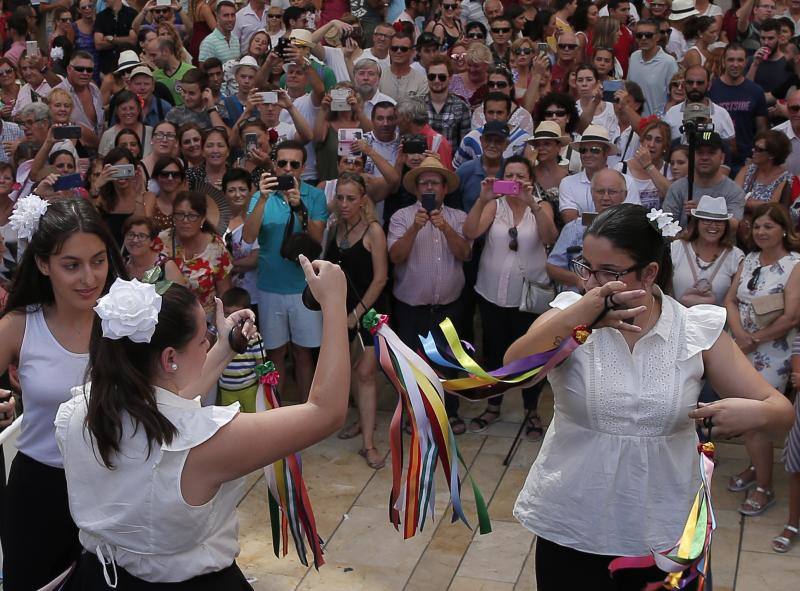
[
  {"x": 497, "y": 128},
  {"x": 710, "y": 138}
]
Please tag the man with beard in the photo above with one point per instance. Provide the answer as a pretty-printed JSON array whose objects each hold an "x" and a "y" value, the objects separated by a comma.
[
  {"x": 743, "y": 99},
  {"x": 768, "y": 67},
  {"x": 367, "y": 77},
  {"x": 449, "y": 114},
  {"x": 709, "y": 179},
  {"x": 696, "y": 83}
]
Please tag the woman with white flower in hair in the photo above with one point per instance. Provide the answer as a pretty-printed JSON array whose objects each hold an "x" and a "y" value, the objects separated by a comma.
[
  {"x": 618, "y": 470},
  {"x": 136, "y": 432},
  {"x": 69, "y": 262}
]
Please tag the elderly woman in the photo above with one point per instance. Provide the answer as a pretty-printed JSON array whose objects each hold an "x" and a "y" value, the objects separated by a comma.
[
  {"x": 129, "y": 116},
  {"x": 9, "y": 87},
  {"x": 198, "y": 250},
  {"x": 30, "y": 68},
  {"x": 518, "y": 229},
  {"x": 763, "y": 306},
  {"x": 35, "y": 122},
  {"x": 140, "y": 233},
  {"x": 478, "y": 60}
]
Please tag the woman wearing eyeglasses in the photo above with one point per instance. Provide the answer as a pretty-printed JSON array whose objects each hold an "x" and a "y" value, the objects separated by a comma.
[
  {"x": 522, "y": 56},
  {"x": 9, "y": 88},
  {"x": 518, "y": 228},
  {"x": 129, "y": 116},
  {"x": 560, "y": 108},
  {"x": 164, "y": 142},
  {"x": 447, "y": 28},
  {"x": 703, "y": 30},
  {"x": 677, "y": 92},
  {"x": 198, "y": 250},
  {"x": 618, "y": 469},
  {"x": 62, "y": 25},
  {"x": 170, "y": 175},
  {"x": 766, "y": 177},
  {"x": 140, "y": 233},
  {"x": 763, "y": 306}
]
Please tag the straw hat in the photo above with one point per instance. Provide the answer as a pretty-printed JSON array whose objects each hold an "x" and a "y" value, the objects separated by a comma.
[
  {"x": 711, "y": 208},
  {"x": 127, "y": 59},
  {"x": 682, "y": 9},
  {"x": 596, "y": 134},
  {"x": 549, "y": 130},
  {"x": 301, "y": 37},
  {"x": 247, "y": 61},
  {"x": 430, "y": 164}
]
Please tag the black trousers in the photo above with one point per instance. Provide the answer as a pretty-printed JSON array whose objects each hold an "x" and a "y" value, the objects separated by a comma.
[
  {"x": 88, "y": 576},
  {"x": 501, "y": 327},
  {"x": 559, "y": 568},
  {"x": 40, "y": 540},
  {"x": 409, "y": 322}
]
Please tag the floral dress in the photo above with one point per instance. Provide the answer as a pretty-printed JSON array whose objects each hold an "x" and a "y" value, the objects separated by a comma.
[
  {"x": 760, "y": 191},
  {"x": 203, "y": 271},
  {"x": 772, "y": 358}
]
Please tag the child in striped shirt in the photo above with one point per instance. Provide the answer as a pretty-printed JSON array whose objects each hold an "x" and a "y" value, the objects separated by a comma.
[{"x": 239, "y": 382}]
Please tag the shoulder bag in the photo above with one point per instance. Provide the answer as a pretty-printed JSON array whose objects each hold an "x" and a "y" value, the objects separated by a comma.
[{"x": 296, "y": 243}]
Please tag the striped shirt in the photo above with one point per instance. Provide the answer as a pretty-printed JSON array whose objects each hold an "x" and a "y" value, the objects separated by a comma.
[
  {"x": 240, "y": 373},
  {"x": 215, "y": 45},
  {"x": 470, "y": 147}
]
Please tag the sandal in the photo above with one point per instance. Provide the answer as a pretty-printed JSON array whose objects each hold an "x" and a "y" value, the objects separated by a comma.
[
  {"x": 737, "y": 483},
  {"x": 457, "y": 425},
  {"x": 782, "y": 544},
  {"x": 751, "y": 507},
  {"x": 372, "y": 462},
  {"x": 533, "y": 428},
  {"x": 480, "y": 423},
  {"x": 353, "y": 430}
]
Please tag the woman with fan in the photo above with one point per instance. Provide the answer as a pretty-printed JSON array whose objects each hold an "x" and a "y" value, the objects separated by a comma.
[{"x": 197, "y": 249}]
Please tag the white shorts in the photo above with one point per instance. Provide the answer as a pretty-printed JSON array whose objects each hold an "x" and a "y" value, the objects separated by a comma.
[{"x": 284, "y": 318}]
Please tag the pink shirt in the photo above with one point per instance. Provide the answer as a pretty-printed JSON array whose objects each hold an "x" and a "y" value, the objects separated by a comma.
[{"x": 431, "y": 275}]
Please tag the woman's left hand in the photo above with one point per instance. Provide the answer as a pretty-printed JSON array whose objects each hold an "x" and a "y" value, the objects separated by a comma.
[
  {"x": 226, "y": 325},
  {"x": 730, "y": 417},
  {"x": 643, "y": 157},
  {"x": 526, "y": 194}
]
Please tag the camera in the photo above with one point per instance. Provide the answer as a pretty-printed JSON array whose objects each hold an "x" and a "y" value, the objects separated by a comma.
[
  {"x": 414, "y": 144},
  {"x": 696, "y": 119}
]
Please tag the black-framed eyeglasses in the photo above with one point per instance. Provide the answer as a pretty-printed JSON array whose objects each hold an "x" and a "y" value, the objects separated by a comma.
[
  {"x": 753, "y": 283},
  {"x": 186, "y": 217},
  {"x": 136, "y": 237},
  {"x": 602, "y": 276},
  {"x": 439, "y": 77},
  {"x": 295, "y": 164},
  {"x": 513, "y": 243}
]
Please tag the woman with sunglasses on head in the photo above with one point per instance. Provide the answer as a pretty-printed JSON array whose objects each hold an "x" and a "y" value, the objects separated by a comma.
[
  {"x": 121, "y": 196},
  {"x": 448, "y": 27},
  {"x": 70, "y": 261},
  {"x": 164, "y": 142},
  {"x": 676, "y": 90},
  {"x": 198, "y": 250},
  {"x": 458, "y": 56},
  {"x": 216, "y": 151},
  {"x": 629, "y": 434},
  {"x": 763, "y": 306},
  {"x": 129, "y": 116},
  {"x": 518, "y": 228},
  {"x": 593, "y": 110},
  {"x": 170, "y": 175},
  {"x": 140, "y": 234},
  {"x": 500, "y": 79},
  {"x": 9, "y": 87}
]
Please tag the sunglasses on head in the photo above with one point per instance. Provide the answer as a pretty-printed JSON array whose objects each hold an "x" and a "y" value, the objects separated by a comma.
[
  {"x": 439, "y": 77},
  {"x": 591, "y": 150},
  {"x": 83, "y": 69},
  {"x": 523, "y": 51},
  {"x": 645, "y": 35},
  {"x": 295, "y": 164},
  {"x": 501, "y": 30},
  {"x": 568, "y": 46}
]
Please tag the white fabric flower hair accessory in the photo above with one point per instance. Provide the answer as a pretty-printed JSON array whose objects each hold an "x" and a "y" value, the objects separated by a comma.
[
  {"x": 663, "y": 222},
  {"x": 26, "y": 215},
  {"x": 129, "y": 309},
  {"x": 57, "y": 53}
]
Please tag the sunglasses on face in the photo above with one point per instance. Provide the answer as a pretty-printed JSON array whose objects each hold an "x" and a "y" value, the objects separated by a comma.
[
  {"x": 666, "y": 31},
  {"x": 592, "y": 150},
  {"x": 676, "y": 84},
  {"x": 645, "y": 35},
  {"x": 275, "y": 16},
  {"x": 497, "y": 84},
  {"x": 83, "y": 69},
  {"x": 523, "y": 51},
  {"x": 439, "y": 77},
  {"x": 794, "y": 108},
  {"x": 6, "y": 72},
  {"x": 400, "y": 49},
  {"x": 161, "y": 10},
  {"x": 449, "y": 6},
  {"x": 293, "y": 163},
  {"x": 458, "y": 56},
  {"x": 759, "y": 149},
  {"x": 551, "y": 114},
  {"x": 65, "y": 20},
  {"x": 501, "y": 30},
  {"x": 568, "y": 46},
  {"x": 170, "y": 174},
  {"x": 476, "y": 35}
]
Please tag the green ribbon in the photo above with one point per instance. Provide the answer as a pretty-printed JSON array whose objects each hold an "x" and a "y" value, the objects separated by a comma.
[
  {"x": 370, "y": 319},
  {"x": 263, "y": 369}
]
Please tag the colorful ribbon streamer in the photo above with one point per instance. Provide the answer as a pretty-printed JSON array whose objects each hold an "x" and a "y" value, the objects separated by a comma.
[
  {"x": 289, "y": 506},
  {"x": 446, "y": 350},
  {"x": 432, "y": 439},
  {"x": 688, "y": 559}
]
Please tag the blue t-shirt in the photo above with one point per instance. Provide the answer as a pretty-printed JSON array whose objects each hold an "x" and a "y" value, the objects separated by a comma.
[
  {"x": 744, "y": 103},
  {"x": 275, "y": 273}
]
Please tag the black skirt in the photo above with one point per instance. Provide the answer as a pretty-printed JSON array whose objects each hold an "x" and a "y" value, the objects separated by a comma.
[{"x": 88, "y": 576}]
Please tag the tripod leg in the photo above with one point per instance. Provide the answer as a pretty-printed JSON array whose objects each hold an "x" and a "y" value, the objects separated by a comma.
[{"x": 514, "y": 444}]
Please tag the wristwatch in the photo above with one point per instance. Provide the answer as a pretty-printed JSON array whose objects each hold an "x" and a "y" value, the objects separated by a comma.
[{"x": 215, "y": 109}]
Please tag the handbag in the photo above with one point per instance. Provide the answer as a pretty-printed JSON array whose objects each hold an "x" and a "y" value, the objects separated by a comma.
[
  {"x": 767, "y": 308},
  {"x": 702, "y": 286},
  {"x": 296, "y": 243},
  {"x": 536, "y": 297}
]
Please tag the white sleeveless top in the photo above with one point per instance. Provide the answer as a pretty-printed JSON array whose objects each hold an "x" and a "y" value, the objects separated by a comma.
[
  {"x": 619, "y": 466},
  {"x": 135, "y": 514},
  {"x": 47, "y": 372}
]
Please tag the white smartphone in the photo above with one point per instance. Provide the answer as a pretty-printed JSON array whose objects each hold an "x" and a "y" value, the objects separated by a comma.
[
  {"x": 32, "y": 48},
  {"x": 339, "y": 98},
  {"x": 269, "y": 97}
]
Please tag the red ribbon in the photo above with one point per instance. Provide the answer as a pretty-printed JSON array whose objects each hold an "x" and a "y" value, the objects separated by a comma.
[{"x": 271, "y": 379}]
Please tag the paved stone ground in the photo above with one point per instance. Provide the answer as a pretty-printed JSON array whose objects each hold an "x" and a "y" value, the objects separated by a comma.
[{"x": 364, "y": 552}]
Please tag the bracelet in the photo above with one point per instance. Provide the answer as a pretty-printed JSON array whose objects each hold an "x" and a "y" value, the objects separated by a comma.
[{"x": 580, "y": 333}]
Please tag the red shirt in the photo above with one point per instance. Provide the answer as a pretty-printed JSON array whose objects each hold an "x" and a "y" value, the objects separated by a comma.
[
  {"x": 444, "y": 150},
  {"x": 624, "y": 48}
]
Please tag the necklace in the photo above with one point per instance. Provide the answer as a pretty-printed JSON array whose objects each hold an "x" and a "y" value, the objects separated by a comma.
[
  {"x": 345, "y": 243},
  {"x": 700, "y": 264}
]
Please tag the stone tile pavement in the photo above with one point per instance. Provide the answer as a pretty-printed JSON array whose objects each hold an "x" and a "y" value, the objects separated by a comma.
[{"x": 364, "y": 552}]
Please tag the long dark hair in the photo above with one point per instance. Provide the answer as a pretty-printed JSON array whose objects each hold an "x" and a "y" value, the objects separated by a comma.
[
  {"x": 626, "y": 226},
  {"x": 63, "y": 218},
  {"x": 122, "y": 372},
  {"x": 108, "y": 193}
]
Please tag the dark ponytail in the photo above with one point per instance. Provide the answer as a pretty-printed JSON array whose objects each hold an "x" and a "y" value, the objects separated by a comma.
[
  {"x": 122, "y": 373},
  {"x": 626, "y": 226}
]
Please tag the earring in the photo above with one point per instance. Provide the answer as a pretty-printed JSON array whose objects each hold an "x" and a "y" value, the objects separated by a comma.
[
  {"x": 784, "y": 234},
  {"x": 174, "y": 367}
]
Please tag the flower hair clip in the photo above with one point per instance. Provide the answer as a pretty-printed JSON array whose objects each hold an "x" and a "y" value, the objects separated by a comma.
[
  {"x": 26, "y": 215},
  {"x": 662, "y": 221},
  {"x": 129, "y": 309}
]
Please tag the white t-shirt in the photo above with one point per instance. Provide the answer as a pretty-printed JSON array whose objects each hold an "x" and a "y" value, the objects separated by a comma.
[
  {"x": 606, "y": 119},
  {"x": 682, "y": 278},
  {"x": 723, "y": 124},
  {"x": 367, "y": 54},
  {"x": 575, "y": 193},
  {"x": 334, "y": 59}
]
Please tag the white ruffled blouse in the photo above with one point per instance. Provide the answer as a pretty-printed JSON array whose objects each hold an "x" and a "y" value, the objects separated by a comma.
[
  {"x": 135, "y": 514},
  {"x": 618, "y": 471}
]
